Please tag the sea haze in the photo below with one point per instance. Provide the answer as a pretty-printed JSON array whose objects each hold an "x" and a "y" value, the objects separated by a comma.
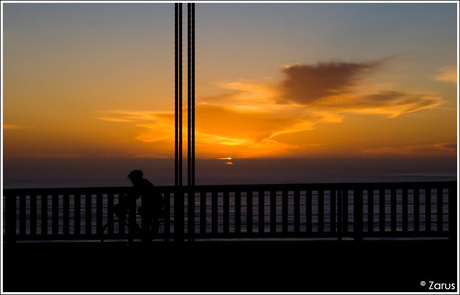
[{"x": 80, "y": 172}]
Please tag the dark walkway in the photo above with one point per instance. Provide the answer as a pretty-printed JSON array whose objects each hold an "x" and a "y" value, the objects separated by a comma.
[{"x": 231, "y": 266}]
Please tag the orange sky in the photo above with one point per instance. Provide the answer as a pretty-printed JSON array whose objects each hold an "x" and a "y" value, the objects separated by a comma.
[{"x": 98, "y": 81}]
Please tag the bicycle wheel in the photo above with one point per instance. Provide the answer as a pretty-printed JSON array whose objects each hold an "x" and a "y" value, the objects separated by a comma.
[
  {"x": 161, "y": 229},
  {"x": 104, "y": 230},
  {"x": 115, "y": 223}
]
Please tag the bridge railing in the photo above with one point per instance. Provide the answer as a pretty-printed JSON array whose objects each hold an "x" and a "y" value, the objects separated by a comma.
[{"x": 359, "y": 210}]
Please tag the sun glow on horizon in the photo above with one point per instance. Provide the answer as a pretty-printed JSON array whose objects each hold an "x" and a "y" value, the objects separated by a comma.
[{"x": 96, "y": 89}]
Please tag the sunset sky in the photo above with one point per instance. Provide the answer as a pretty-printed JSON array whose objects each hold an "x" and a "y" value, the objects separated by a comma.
[{"x": 273, "y": 80}]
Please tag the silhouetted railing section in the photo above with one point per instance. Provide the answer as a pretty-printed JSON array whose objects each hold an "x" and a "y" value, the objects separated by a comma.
[{"x": 243, "y": 211}]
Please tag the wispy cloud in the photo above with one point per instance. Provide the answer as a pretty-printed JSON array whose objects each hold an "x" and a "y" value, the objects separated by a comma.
[
  {"x": 15, "y": 127},
  {"x": 96, "y": 23},
  {"x": 152, "y": 126},
  {"x": 447, "y": 74},
  {"x": 414, "y": 150},
  {"x": 249, "y": 120},
  {"x": 390, "y": 103}
]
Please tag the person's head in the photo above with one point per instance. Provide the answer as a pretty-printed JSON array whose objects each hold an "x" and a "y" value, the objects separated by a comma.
[{"x": 135, "y": 175}]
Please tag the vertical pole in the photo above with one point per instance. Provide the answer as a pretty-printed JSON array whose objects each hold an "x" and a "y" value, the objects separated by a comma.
[
  {"x": 405, "y": 210},
  {"x": 179, "y": 194},
  {"x": 190, "y": 99},
  {"x": 453, "y": 206},
  {"x": 370, "y": 208},
  {"x": 10, "y": 213},
  {"x": 439, "y": 213},
  {"x": 76, "y": 215},
  {"x": 180, "y": 94},
  {"x": 226, "y": 208},
  {"x": 297, "y": 211},
  {"x": 428, "y": 209},
  {"x": 44, "y": 214},
  {"x": 132, "y": 222},
  {"x": 308, "y": 211},
  {"x": 393, "y": 207},
  {"x": 191, "y": 94},
  {"x": 339, "y": 215},
  {"x": 345, "y": 211},
  {"x": 249, "y": 212},
  {"x": 333, "y": 211},
  {"x": 176, "y": 95},
  {"x": 261, "y": 204},
  {"x": 238, "y": 212},
  {"x": 214, "y": 213},
  {"x": 285, "y": 211},
  {"x": 272, "y": 211},
  {"x": 320, "y": 210},
  {"x": 358, "y": 214},
  {"x": 416, "y": 210}
]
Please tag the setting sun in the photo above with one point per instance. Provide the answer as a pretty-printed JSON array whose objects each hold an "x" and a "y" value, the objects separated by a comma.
[
  {"x": 270, "y": 146},
  {"x": 98, "y": 81}
]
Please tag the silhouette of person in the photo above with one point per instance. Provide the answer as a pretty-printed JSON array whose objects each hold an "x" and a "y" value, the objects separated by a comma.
[{"x": 152, "y": 203}]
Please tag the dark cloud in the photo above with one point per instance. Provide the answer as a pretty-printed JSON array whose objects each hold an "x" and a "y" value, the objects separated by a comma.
[
  {"x": 333, "y": 86},
  {"x": 305, "y": 84}
]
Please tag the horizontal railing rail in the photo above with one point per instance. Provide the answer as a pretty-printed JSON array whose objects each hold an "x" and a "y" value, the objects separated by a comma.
[{"x": 342, "y": 210}]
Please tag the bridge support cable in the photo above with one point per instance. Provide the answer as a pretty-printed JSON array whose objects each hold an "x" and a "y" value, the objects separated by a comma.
[
  {"x": 179, "y": 199},
  {"x": 191, "y": 94},
  {"x": 178, "y": 164},
  {"x": 178, "y": 96}
]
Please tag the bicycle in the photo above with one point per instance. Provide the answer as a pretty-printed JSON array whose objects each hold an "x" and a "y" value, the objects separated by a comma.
[{"x": 123, "y": 221}]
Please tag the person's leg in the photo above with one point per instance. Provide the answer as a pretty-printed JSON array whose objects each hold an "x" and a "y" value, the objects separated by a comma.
[{"x": 146, "y": 223}]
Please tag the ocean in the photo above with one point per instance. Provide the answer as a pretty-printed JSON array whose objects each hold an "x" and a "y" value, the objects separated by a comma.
[{"x": 108, "y": 172}]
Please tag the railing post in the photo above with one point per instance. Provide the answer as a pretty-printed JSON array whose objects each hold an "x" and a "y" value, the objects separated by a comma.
[
  {"x": 333, "y": 211},
  {"x": 405, "y": 210},
  {"x": 226, "y": 209},
  {"x": 370, "y": 210},
  {"x": 345, "y": 212},
  {"x": 191, "y": 214},
  {"x": 453, "y": 211},
  {"x": 132, "y": 220},
  {"x": 214, "y": 215},
  {"x": 179, "y": 215},
  {"x": 428, "y": 209},
  {"x": 202, "y": 212},
  {"x": 10, "y": 214},
  {"x": 238, "y": 212},
  {"x": 249, "y": 212},
  {"x": 297, "y": 211},
  {"x": 261, "y": 204},
  {"x": 393, "y": 206},
  {"x": 272, "y": 212},
  {"x": 285, "y": 212},
  {"x": 339, "y": 214},
  {"x": 358, "y": 215},
  {"x": 320, "y": 211},
  {"x": 416, "y": 210},
  {"x": 308, "y": 211}
]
